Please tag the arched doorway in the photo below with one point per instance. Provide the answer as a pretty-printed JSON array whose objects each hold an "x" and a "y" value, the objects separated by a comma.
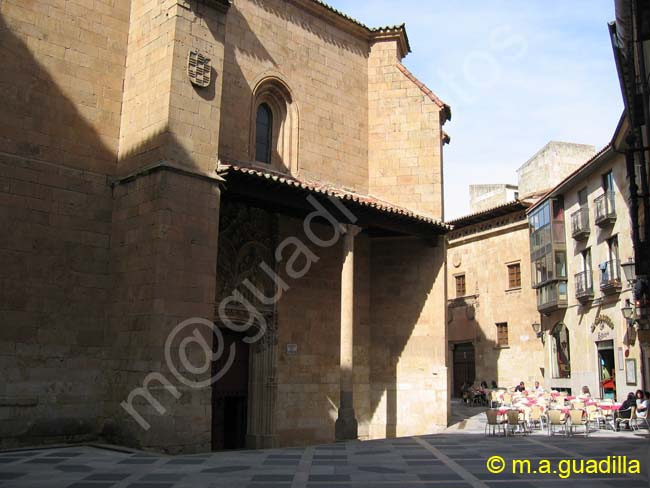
[{"x": 243, "y": 398}]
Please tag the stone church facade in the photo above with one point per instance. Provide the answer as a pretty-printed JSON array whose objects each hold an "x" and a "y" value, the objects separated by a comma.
[{"x": 160, "y": 157}]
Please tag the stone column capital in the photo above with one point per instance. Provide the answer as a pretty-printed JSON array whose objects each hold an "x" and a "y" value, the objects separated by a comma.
[{"x": 351, "y": 230}]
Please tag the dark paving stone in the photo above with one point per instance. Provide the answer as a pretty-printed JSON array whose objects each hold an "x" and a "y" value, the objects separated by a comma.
[
  {"x": 329, "y": 456},
  {"x": 138, "y": 461},
  {"x": 226, "y": 469},
  {"x": 329, "y": 477},
  {"x": 469, "y": 455},
  {"x": 44, "y": 460},
  {"x": 629, "y": 483},
  {"x": 329, "y": 463},
  {"x": 401, "y": 484},
  {"x": 64, "y": 454},
  {"x": 512, "y": 484},
  {"x": 107, "y": 477},
  {"x": 449, "y": 476},
  {"x": 273, "y": 462},
  {"x": 74, "y": 468},
  {"x": 186, "y": 461},
  {"x": 418, "y": 456},
  {"x": 269, "y": 485},
  {"x": 10, "y": 476},
  {"x": 370, "y": 453},
  {"x": 21, "y": 454},
  {"x": 150, "y": 485},
  {"x": 380, "y": 469},
  {"x": 429, "y": 462},
  {"x": 5, "y": 460},
  {"x": 162, "y": 477},
  {"x": 284, "y": 456},
  {"x": 83, "y": 484},
  {"x": 337, "y": 485},
  {"x": 272, "y": 477},
  {"x": 484, "y": 475}
]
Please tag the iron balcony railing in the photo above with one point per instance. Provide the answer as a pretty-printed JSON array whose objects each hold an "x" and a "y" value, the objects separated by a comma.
[
  {"x": 584, "y": 285},
  {"x": 610, "y": 275},
  {"x": 605, "y": 209},
  {"x": 580, "y": 223}
]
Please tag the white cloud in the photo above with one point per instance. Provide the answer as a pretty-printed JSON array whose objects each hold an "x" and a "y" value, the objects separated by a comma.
[{"x": 563, "y": 86}]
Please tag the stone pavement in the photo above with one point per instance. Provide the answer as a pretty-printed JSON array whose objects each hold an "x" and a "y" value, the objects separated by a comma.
[
  {"x": 454, "y": 458},
  {"x": 419, "y": 462}
]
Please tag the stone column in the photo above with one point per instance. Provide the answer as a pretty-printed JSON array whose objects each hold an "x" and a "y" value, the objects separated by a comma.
[{"x": 346, "y": 424}]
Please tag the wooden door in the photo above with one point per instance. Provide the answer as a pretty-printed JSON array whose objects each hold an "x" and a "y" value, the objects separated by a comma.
[{"x": 464, "y": 366}]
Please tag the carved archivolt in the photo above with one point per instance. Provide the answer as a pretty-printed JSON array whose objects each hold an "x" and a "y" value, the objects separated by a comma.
[{"x": 247, "y": 239}]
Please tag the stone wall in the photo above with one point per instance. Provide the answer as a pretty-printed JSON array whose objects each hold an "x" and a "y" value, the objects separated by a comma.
[
  {"x": 60, "y": 92},
  {"x": 550, "y": 165},
  {"x": 324, "y": 67},
  {"x": 165, "y": 117},
  {"x": 484, "y": 197},
  {"x": 147, "y": 83},
  {"x": 407, "y": 338},
  {"x": 61, "y": 83},
  {"x": 107, "y": 244},
  {"x": 55, "y": 226},
  {"x": 490, "y": 300},
  {"x": 163, "y": 268},
  {"x": 404, "y": 135}
]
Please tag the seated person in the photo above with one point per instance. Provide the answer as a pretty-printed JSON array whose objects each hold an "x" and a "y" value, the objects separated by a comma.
[
  {"x": 464, "y": 392},
  {"x": 625, "y": 411},
  {"x": 538, "y": 388},
  {"x": 520, "y": 387},
  {"x": 642, "y": 407},
  {"x": 494, "y": 385},
  {"x": 639, "y": 397},
  {"x": 585, "y": 392}
]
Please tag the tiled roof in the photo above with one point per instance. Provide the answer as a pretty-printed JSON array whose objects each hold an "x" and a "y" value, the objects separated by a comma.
[
  {"x": 226, "y": 168},
  {"x": 341, "y": 14},
  {"x": 432, "y": 96},
  {"x": 372, "y": 30},
  {"x": 490, "y": 213}
]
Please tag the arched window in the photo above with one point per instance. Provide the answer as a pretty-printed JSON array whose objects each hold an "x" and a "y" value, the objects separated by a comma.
[
  {"x": 263, "y": 133},
  {"x": 560, "y": 352},
  {"x": 274, "y": 125}
]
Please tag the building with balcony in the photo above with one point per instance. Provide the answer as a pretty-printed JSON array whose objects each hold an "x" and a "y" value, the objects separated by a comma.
[
  {"x": 577, "y": 275},
  {"x": 630, "y": 38}
]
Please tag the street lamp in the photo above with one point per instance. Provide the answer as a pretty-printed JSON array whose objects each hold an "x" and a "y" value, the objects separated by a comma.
[
  {"x": 628, "y": 311},
  {"x": 537, "y": 328},
  {"x": 629, "y": 270}
]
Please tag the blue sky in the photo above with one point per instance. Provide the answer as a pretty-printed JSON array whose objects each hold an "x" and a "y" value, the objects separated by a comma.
[{"x": 516, "y": 74}]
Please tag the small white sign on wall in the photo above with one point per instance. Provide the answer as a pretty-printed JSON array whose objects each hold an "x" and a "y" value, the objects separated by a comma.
[{"x": 292, "y": 349}]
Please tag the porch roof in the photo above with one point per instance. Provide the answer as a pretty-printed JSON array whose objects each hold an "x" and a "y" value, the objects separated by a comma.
[{"x": 288, "y": 194}]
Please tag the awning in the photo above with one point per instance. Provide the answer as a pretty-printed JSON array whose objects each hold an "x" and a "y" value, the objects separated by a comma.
[{"x": 289, "y": 195}]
